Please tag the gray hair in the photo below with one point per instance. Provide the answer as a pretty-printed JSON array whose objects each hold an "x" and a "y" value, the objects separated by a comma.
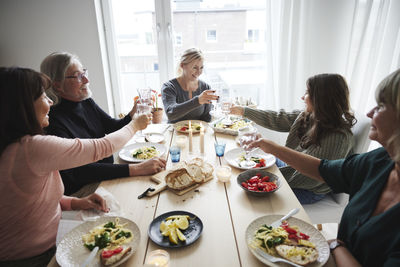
[
  {"x": 388, "y": 92},
  {"x": 55, "y": 66},
  {"x": 189, "y": 56}
]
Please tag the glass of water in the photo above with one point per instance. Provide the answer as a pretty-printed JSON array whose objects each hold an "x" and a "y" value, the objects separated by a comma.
[
  {"x": 244, "y": 140},
  {"x": 144, "y": 104}
]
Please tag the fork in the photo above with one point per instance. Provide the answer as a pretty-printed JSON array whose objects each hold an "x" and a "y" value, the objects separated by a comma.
[{"x": 274, "y": 259}]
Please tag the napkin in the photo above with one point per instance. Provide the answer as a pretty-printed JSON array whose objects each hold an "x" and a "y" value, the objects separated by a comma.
[{"x": 112, "y": 204}]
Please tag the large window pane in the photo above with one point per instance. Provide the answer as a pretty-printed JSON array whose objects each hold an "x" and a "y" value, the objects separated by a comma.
[
  {"x": 136, "y": 40},
  {"x": 231, "y": 35}
]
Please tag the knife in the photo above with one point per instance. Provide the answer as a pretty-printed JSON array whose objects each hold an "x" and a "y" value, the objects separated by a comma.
[
  {"x": 90, "y": 257},
  {"x": 142, "y": 195},
  {"x": 287, "y": 216}
]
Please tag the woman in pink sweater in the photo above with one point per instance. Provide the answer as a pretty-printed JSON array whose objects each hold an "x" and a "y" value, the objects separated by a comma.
[{"x": 31, "y": 190}]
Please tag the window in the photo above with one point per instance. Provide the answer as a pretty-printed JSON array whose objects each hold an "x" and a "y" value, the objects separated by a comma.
[
  {"x": 178, "y": 39},
  {"x": 253, "y": 36},
  {"x": 150, "y": 36},
  {"x": 211, "y": 36}
]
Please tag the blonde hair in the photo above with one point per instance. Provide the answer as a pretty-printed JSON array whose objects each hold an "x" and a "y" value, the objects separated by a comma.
[
  {"x": 388, "y": 92},
  {"x": 55, "y": 66},
  {"x": 187, "y": 57}
]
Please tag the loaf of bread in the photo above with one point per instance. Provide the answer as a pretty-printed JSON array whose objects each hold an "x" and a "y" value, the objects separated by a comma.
[{"x": 298, "y": 254}]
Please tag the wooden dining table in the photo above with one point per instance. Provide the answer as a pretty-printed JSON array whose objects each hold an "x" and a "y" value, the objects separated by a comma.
[{"x": 225, "y": 209}]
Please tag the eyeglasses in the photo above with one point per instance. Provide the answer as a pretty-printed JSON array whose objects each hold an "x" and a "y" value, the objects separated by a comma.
[{"x": 79, "y": 76}]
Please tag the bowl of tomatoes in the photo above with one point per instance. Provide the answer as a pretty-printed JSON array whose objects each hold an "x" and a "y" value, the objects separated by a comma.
[{"x": 258, "y": 182}]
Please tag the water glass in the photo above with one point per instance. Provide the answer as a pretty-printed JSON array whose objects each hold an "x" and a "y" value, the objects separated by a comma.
[
  {"x": 175, "y": 153},
  {"x": 219, "y": 148}
]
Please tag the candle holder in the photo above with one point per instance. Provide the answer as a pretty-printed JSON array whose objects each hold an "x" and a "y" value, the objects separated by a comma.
[
  {"x": 181, "y": 141},
  {"x": 223, "y": 173},
  {"x": 159, "y": 258}
]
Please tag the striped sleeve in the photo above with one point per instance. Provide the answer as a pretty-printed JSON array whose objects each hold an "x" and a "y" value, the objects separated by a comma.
[{"x": 281, "y": 121}]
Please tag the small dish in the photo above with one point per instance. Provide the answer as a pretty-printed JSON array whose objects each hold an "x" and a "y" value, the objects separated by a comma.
[
  {"x": 154, "y": 137},
  {"x": 244, "y": 176},
  {"x": 192, "y": 233}
]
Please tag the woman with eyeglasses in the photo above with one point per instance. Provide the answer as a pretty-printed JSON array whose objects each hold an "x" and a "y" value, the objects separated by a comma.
[
  {"x": 76, "y": 115},
  {"x": 187, "y": 97},
  {"x": 369, "y": 230},
  {"x": 322, "y": 129},
  {"x": 31, "y": 190}
]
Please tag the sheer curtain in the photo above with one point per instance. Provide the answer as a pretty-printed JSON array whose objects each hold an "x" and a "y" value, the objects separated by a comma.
[{"x": 358, "y": 39}]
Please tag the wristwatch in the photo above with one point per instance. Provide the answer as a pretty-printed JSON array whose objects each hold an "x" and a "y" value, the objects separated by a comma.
[{"x": 334, "y": 244}]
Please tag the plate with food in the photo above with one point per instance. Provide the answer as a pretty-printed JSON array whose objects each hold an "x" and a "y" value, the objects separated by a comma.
[
  {"x": 236, "y": 158},
  {"x": 139, "y": 152},
  {"x": 183, "y": 126},
  {"x": 231, "y": 125},
  {"x": 295, "y": 240},
  {"x": 175, "y": 229},
  {"x": 116, "y": 237}
]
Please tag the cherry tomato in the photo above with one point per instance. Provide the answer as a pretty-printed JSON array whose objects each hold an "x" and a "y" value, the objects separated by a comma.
[
  {"x": 253, "y": 180},
  {"x": 265, "y": 179}
]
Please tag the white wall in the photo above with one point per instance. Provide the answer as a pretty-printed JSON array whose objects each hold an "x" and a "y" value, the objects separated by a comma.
[{"x": 31, "y": 30}]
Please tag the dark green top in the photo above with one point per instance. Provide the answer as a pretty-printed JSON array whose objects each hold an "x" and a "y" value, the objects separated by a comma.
[{"x": 373, "y": 240}]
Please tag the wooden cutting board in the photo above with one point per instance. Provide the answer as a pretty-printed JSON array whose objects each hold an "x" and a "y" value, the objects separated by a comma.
[{"x": 159, "y": 178}]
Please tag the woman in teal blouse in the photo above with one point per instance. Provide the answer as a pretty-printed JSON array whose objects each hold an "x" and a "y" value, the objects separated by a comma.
[{"x": 369, "y": 231}]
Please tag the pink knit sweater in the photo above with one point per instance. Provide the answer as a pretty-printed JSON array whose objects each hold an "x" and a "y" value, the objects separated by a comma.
[{"x": 31, "y": 189}]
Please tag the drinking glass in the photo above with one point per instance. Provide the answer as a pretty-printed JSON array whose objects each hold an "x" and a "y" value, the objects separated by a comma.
[
  {"x": 175, "y": 153},
  {"x": 245, "y": 139},
  {"x": 144, "y": 104},
  {"x": 226, "y": 105},
  {"x": 219, "y": 148}
]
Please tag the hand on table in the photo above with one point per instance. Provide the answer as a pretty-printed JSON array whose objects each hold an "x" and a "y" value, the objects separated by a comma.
[
  {"x": 93, "y": 201},
  {"x": 147, "y": 167}
]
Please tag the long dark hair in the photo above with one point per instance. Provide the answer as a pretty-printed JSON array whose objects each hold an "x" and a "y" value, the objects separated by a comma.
[
  {"x": 329, "y": 96},
  {"x": 19, "y": 88}
]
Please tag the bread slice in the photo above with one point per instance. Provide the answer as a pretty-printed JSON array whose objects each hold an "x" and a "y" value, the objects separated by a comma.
[
  {"x": 116, "y": 257},
  {"x": 207, "y": 169},
  {"x": 179, "y": 179},
  {"x": 197, "y": 161},
  {"x": 297, "y": 254},
  {"x": 196, "y": 172}
]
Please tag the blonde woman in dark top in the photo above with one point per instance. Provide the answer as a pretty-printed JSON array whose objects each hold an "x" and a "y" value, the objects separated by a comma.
[
  {"x": 322, "y": 129},
  {"x": 187, "y": 97}
]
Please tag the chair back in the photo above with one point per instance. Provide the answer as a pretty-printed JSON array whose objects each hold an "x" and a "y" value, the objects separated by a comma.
[{"x": 360, "y": 134}]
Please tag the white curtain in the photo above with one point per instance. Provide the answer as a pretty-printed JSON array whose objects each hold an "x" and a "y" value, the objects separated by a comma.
[{"x": 359, "y": 39}]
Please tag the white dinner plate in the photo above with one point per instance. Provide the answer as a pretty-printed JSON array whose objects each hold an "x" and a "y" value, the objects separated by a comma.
[
  {"x": 178, "y": 126},
  {"x": 315, "y": 236},
  {"x": 126, "y": 152},
  {"x": 233, "y": 156},
  {"x": 72, "y": 252}
]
